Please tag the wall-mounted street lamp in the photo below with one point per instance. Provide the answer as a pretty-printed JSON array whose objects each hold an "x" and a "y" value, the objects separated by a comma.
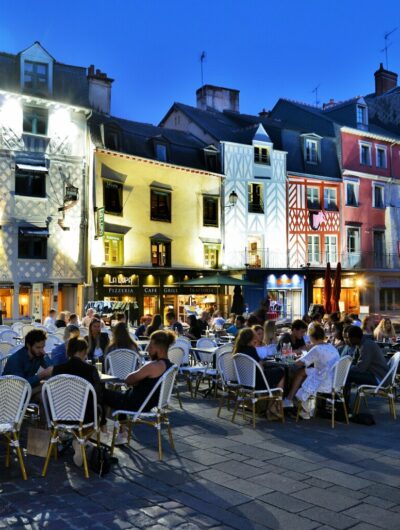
[{"x": 232, "y": 199}]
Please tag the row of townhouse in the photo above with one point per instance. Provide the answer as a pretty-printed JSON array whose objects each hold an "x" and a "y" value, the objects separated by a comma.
[{"x": 95, "y": 207}]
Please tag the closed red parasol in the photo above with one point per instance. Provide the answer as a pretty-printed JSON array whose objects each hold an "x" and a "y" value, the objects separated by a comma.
[
  {"x": 337, "y": 287},
  {"x": 328, "y": 289}
]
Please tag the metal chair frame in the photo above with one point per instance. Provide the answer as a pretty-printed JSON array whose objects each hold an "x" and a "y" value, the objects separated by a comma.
[
  {"x": 175, "y": 355},
  {"x": 229, "y": 384}
]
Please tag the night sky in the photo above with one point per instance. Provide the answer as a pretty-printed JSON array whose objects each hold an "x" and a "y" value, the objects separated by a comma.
[{"x": 266, "y": 49}]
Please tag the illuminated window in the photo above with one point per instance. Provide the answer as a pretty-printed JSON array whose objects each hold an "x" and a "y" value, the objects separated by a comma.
[
  {"x": 313, "y": 199},
  {"x": 313, "y": 249},
  {"x": 255, "y": 198},
  {"x": 160, "y": 202},
  {"x": 160, "y": 253},
  {"x": 211, "y": 255},
  {"x": 261, "y": 156},
  {"x": 32, "y": 243},
  {"x": 36, "y": 76},
  {"x": 112, "y": 195},
  {"x": 330, "y": 199},
  {"x": 113, "y": 249},
  {"x": 210, "y": 211},
  {"x": 35, "y": 120}
]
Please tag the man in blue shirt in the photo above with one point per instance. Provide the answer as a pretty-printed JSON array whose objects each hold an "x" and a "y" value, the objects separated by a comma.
[
  {"x": 237, "y": 326},
  {"x": 59, "y": 352},
  {"x": 26, "y": 362},
  {"x": 173, "y": 323}
]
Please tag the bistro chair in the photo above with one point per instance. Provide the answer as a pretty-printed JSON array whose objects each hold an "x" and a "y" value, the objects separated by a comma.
[
  {"x": 65, "y": 398},
  {"x": 4, "y": 327},
  {"x": 17, "y": 327},
  {"x": 6, "y": 347},
  {"x": 8, "y": 335},
  {"x": 228, "y": 380},
  {"x": 157, "y": 417},
  {"x": 120, "y": 363},
  {"x": 15, "y": 394},
  {"x": 385, "y": 389},
  {"x": 340, "y": 373},
  {"x": 26, "y": 328},
  {"x": 175, "y": 355},
  {"x": 51, "y": 342},
  {"x": 185, "y": 344},
  {"x": 246, "y": 369}
]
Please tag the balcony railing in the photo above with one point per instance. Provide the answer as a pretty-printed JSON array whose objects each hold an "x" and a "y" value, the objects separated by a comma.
[{"x": 264, "y": 258}]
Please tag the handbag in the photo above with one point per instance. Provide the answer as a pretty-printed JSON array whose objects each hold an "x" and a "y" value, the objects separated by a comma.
[{"x": 101, "y": 460}]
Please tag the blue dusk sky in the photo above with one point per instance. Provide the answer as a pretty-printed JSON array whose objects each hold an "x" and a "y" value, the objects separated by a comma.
[{"x": 265, "y": 49}]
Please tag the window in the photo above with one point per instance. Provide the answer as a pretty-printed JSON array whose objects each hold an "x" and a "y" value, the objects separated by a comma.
[
  {"x": 35, "y": 120},
  {"x": 389, "y": 299},
  {"x": 331, "y": 249},
  {"x": 351, "y": 193},
  {"x": 112, "y": 140},
  {"x": 30, "y": 183},
  {"x": 211, "y": 161},
  {"x": 160, "y": 254},
  {"x": 330, "y": 199},
  {"x": 112, "y": 197},
  {"x": 313, "y": 202},
  {"x": 32, "y": 243},
  {"x": 36, "y": 76},
  {"x": 256, "y": 193},
  {"x": 210, "y": 211},
  {"x": 353, "y": 240},
  {"x": 381, "y": 160},
  {"x": 160, "y": 202},
  {"x": 261, "y": 156},
  {"x": 113, "y": 249},
  {"x": 379, "y": 249},
  {"x": 362, "y": 115},
  {"x": 211, "y": 255},
  {"x": 378, "y": 200},
  {"x": 161, "y": 152},
  {"x": 311, "y": 151},
  {"x": 365, "y": 154},
  {"x": 313, "y": 249}
]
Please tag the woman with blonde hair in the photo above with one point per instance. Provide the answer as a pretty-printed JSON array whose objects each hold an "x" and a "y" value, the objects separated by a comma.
[{"x": 384, "y": 330}]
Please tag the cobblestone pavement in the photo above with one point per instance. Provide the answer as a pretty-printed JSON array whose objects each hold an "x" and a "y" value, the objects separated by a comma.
[{"x": 292, "y": 477}]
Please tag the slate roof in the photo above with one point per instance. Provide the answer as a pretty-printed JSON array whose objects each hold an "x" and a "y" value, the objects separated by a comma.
[
  {"x": 70, "y": 84},
  {"x": 139, "y": 139}
]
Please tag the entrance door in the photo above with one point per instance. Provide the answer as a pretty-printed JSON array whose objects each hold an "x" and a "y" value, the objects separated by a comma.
[{"x": 293, "y": 305}]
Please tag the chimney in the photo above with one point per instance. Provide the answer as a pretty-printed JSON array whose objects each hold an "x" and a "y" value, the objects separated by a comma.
[
  {"x": 264, "y": 113},
  {"x": 384, "y": 80},
  {"x": 217, "y": 98},
  {"x": 331, "y": 103},
  {"x": 99, "y": 90}
]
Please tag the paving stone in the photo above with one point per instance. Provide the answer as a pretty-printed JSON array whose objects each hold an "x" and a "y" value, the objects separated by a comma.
[
  {"x": 204, "y": 457},
  {"x": 214, "y": 475},
  {"x": 211, "y": 492},
  {"x": 338, "y": 477},
  {"x": 279, "y": 482},
  {"x": 382, "y": 503},
  {"x": 171, "y": 520},
  {"x": 334, "y": 519},
  {"x": 247, "y": 487},
  {"x": 238, "y": 469},
  {"x": 325, "y": 499},
  {"x": 374, "y": 515},
  {"x": 285, "y": 502},
  {"x": 154, "y": 511},
  {"x": 384, "y": 492},
  {"x": 294, "y": 464},
  {"x": 347, "y": 493}
]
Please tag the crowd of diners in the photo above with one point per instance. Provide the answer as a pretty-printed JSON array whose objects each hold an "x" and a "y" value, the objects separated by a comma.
[{"x": 315, "y": 343}]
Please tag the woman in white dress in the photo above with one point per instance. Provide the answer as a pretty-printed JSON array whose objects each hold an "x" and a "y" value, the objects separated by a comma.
[{"x": 310, "y": 380}]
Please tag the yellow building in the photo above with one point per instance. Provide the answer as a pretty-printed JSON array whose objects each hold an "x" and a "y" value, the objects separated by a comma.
[{"x": 156, "y": 217}]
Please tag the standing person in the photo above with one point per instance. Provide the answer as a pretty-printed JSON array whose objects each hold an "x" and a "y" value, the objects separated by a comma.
[
  {"x": 59, "y": 352},
  {"x": 50, "y": 320},
  {"x": 155, "y": 325},
  {"x": 384, "y": 331},
  {"x": 308, "y": 381},
  {"x": 145, "y": 320},
  {"x": 121, "y": 339},
  {"x": 173, "y": 323},
  {"x": 88, "y": 318},
  {"x": 97, "y": 340},
  {"x": 194, "y": 331},
  {"x": 295, "y": 338}
]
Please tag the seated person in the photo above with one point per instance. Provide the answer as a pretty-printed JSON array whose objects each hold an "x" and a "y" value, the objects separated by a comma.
[
  {"x": 98, "y": 341},
  {"x": 144, "y": 322},
  {"x": 295, "y": 337},
  {"x": 384, "y": 331},
  {"x": 194, "y": 331},
  {"x": 143, "y": 380},
  {"x": 237, "y": 326},
  {"x": 269, "y": 340},
  {"x": 59, "y": 353},
  {"x": 27, "y": 361},
  {"x": 368, "y": 326},
  {"x": 121, "y": 339},
  {"x": 218, "y": 321},
  {"x": 61, "y": 321},
  {"x": 261, "y": 348},
  {"x": 309, "y": 381},
  {"x": 337, "y": 338},
  {"x": 369, "y": 364},
  {"x": 73, "y": 320},
  {"x": 204, "y": 321},
  {"x": 173, "y": 323}
]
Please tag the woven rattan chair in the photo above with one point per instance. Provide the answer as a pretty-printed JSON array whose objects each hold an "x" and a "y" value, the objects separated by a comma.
[
  {"x": 8, "y": 335},
  {"x": 246, "y": 369},
  {"x": 51, "y": 342},
  {"x": 385, "y": 389},
  {"x": 6, "y": 347},
  {"x": 175, "y": 355},
  {"x": 122, "y": 362},
  {"x": 26, "y": 328},
  {"x": 157, "y": 416},
  {"x": 17, "y": 327},
  {"x": 15, "y": 394},
  {"x": 340, "y": 373},
  {"x": 228, "y": 381},
  {"x": 65, "y": 399}
]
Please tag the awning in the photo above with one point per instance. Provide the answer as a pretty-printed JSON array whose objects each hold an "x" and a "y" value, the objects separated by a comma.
[
  {"x": 29, "y": 231},
  {"x": 160, "y": 238},
  {"x": 116, "y": 229},
  {"x": 160, "y": 186},
  {"x": 110, "y": 174},
  {"x": 28, "y": 167}
]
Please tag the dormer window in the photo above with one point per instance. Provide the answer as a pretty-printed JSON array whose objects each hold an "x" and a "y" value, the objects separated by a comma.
[
  {"x": 362, "y": 116},
  {"x": 311, "y": 151},
  {"x": 36, "y": 76},
  {"x": 261, "y": 156},
  {"x": 161, "y": 152},
  {"x": 35, "y": 120}
]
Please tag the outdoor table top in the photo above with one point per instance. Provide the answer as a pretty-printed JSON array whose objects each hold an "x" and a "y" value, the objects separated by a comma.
[
  {"x": 205, "y": 350},
  {"x": 107, "y": 378}
]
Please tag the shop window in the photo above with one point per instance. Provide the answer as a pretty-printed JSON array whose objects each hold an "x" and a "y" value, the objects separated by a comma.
[
  {"x": 255, "y": 198},
  {"x": 35, "y": 120},
  {"x": 112, "y": 196},
  {"x": 331, "y": 255},
  {"x": 30, "y": 183},
  {"x": 389, "y": 299},
  {"x": 210, "y": 211},
  {"x": 330, "y": 199},
  {"x": 160, "y": 204},
  {"x": 313, "y": 199},
  {"x": 113, "y": 249},
  {"x": 160, "y": 254},
  {"x": 32, "y": 243},
  {"x": 261, "y": 156},
  {"x": 211, "y": 256},
  {"x": 36, "y": 77},
  {"x": 313, "y": 249}
]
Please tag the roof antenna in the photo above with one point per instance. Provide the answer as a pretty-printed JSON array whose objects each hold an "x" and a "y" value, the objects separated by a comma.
[
  {"x": 385, "y": 48},
  {"x": 315, "y": 90},
  {"x": 202, "y": 58}
]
